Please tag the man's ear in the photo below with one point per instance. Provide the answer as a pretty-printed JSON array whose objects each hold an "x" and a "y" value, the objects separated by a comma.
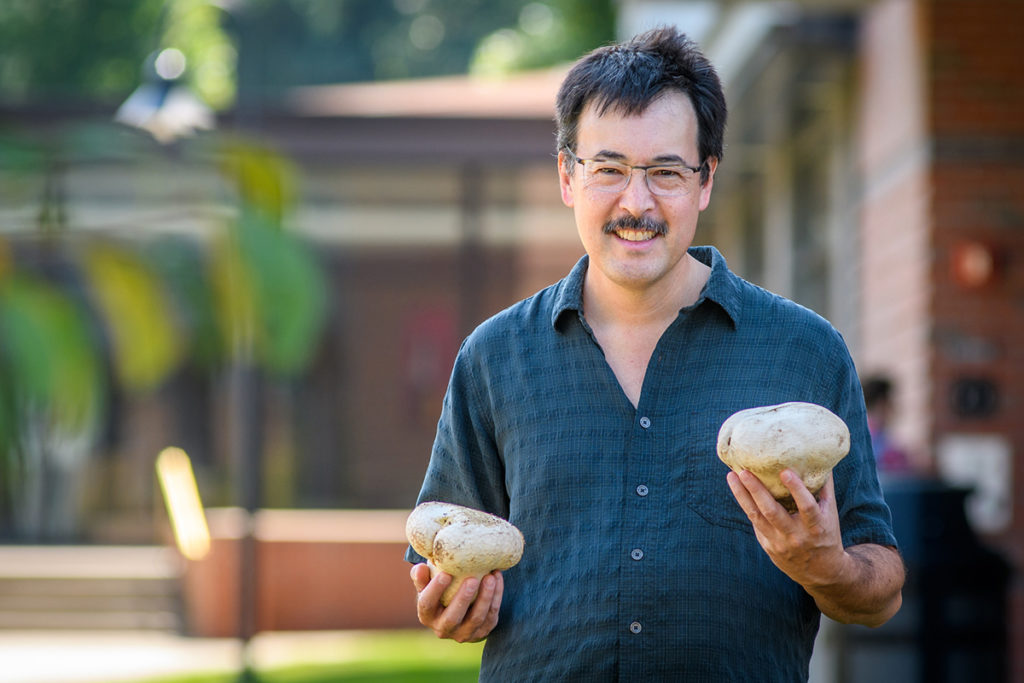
[
  {"x": 705, "y": 189},
  {"x": 564, "y": 180}
]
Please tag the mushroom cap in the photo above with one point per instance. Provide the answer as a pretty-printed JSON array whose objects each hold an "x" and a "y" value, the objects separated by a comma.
[
  {"x": 462, "y": 541},
  {"x": 807, "y": 438}
]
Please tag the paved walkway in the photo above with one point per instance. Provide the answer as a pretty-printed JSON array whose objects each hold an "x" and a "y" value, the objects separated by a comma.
[{"x": 113, "y": 657}]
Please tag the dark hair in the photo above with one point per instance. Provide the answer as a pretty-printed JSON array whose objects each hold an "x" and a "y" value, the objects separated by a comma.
[
  {"x": 877, "y": 389},
  {"x": 631, "y": 75}
]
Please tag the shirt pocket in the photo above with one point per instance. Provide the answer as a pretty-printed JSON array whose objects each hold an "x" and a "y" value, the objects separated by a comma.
[{"x": 706, "y": 489}]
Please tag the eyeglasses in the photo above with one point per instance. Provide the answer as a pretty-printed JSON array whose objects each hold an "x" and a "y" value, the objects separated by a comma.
[{"x": 667, "y": 180}]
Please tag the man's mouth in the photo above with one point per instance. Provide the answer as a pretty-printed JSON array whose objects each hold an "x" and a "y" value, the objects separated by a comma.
[
  {"x": 635, "y": 235},
  {"x": 635, "y": 229}
]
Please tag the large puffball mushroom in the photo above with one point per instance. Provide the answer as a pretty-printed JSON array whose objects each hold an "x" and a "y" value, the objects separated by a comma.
[
  {"x": 807, "y": 438},
  {"x": 462, "y": 542}
]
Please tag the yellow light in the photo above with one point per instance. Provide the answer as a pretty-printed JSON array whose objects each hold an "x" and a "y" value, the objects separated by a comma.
[{"x": 181, "y": 495}]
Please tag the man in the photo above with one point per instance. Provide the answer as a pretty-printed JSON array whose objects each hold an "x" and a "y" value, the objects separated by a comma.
[{"x": 587, "y": 415}]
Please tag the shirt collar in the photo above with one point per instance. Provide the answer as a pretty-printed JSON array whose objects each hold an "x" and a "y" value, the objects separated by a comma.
[
  {"x": 723, "y": 287},
  {"x": 569, "y": 296}
]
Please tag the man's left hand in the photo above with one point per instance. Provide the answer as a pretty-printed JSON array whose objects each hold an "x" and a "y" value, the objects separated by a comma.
[
  {"x": 860, "y": 584},
  {"x": 807, "y": 544}
]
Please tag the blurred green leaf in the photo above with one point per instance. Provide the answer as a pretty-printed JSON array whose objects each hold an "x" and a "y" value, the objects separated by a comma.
[
  {"x": 136, "y": 310},
  {"x": 271, "y": 291},
  {"x": 288, "y": 295},
  {"x": 49, "y": 357},
  {"x": 182, "y": 267},
  {"x": 264, "y": 180},
  {"x": 271, "y": 294}
]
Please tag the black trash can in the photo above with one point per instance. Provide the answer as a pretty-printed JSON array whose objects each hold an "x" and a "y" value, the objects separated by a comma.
[{"x": 952, "y": 626}]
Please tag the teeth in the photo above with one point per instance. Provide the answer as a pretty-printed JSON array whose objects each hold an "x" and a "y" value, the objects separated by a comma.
[{"x": 635, "y": 235}]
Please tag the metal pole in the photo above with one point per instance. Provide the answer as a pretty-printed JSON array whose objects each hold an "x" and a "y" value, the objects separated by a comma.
[{"x": 247, "y": 445}]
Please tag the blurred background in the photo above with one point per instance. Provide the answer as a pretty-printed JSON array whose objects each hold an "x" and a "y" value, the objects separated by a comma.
[{"x": 257, "y": 230}]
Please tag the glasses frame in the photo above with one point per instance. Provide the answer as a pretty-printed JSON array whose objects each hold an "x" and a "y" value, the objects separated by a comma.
[{"x": 647, "y": 178}]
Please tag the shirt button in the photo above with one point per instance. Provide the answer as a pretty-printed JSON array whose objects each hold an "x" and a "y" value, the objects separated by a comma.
[
  {"x": 645, "y": 422},
  {"x": 635, "y": 627},
  {"x": 642, "y": 490},
  {"x": 637, "y": 554}
]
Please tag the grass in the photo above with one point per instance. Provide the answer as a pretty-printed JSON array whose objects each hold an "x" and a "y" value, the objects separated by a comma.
[{"x": 367, "y": 657}]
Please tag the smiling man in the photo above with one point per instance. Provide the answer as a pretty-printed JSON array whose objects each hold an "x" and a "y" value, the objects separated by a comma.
[{"x": 587, "y": 415}]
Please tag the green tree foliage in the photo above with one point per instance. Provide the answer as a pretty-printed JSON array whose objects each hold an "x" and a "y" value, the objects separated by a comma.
[
  {"x": 289, "y": 42},
  {"x": 545, "y": 34},
  {"x": 60, "y": 50},
  {"x": 72, "y": 49}
]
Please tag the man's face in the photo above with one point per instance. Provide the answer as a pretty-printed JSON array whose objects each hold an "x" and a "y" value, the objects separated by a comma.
[{"x": 615, "y": 228}]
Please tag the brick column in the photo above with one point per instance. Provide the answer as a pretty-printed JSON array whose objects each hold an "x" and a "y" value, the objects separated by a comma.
[
  {"x": 976, "y": 116},
  {"x": 942, "y": 154}
]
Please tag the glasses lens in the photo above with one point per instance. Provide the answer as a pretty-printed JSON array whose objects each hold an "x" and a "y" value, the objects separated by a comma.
[
  {"x": 606, "y": 176},
  {"x": 668, "y": 180}
]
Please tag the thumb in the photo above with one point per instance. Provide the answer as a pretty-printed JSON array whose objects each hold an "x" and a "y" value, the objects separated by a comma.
[{"x": 420, "y": 574}]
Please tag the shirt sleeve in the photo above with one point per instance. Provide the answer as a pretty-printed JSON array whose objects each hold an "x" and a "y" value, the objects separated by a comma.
[
  {"x": 465, "y": 465},
  {"x": 864, "y": 516}
]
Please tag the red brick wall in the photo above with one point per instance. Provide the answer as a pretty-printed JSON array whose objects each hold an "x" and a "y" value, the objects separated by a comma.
[
  {"x": 976, "y": 115},
  {"x": 942, "y": 152}
]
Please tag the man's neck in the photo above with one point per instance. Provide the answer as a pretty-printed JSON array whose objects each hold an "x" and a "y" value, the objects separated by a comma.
[{"x": 657, "y": 304}]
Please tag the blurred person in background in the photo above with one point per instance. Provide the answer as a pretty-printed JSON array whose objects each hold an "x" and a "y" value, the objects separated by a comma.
[
  {"x": 588, "y": 415},
  {"x": 889, "y": 457}
]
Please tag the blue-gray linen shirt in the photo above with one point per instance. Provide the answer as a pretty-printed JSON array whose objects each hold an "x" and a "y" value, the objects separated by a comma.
[{"x": 639, "y": 564}]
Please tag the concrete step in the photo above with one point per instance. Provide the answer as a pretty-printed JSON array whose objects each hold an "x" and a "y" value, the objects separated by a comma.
[
  {"x": 169, "y": 622},
  {"x": 90, "y": 587},
  {"x": 88, "y": 561},
  {"x": 99, "y": 587},
  {"x": 60, "y": 600}
]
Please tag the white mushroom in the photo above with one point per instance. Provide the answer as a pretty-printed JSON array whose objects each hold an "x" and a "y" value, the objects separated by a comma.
[
  {"x": 807, "y": 438},
  {"x": 462, "y": 542}
]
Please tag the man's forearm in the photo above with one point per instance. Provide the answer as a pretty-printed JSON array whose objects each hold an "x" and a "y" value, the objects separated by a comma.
[{"x": 867, "y": 591}]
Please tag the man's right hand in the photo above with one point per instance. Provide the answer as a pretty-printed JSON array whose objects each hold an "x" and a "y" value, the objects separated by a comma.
[{"x": 472, "y": 613}]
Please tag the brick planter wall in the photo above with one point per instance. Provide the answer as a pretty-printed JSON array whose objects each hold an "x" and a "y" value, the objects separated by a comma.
[{"x": 315, "y": 570}]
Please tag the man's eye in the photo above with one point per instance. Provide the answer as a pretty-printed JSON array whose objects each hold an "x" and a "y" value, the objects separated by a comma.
[
  {"x": 604, "y": 169},
  {"x": 667, "y": 173}
]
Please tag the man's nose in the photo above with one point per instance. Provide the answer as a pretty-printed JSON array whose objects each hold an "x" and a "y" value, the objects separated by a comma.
[{"x": 636, "y": 198}]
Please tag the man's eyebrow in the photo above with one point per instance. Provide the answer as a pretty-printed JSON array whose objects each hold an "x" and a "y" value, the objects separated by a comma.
[
  {"x": 658, "y": 160},
  {"x": 609, "y": 154},
  {"x": 669, "y": 159}
]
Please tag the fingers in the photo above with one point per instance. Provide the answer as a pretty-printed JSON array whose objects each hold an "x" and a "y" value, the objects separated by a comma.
[
  {"x": 473, "y": 611},
  {"x": 749, "y": 491},
  {"x": 483, "y": 615},
  {"x": 742, "y": 495},
  {"x": 755, "y": 499},
  {"x": 804, "y": 499},
  {"x": 428, "y": 592}
]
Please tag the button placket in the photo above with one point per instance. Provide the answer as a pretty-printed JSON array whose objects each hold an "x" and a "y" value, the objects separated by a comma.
[{"x": 641, "y": 470}]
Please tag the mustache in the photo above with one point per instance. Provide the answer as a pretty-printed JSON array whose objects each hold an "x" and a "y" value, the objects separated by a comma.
[{"x": 633, "y": 223}]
